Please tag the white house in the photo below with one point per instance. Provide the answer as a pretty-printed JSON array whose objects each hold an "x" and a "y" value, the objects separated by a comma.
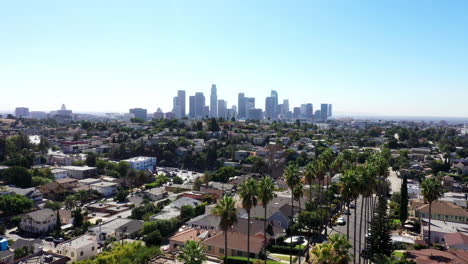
[
  {"x": 142, "y": 163},
  {"x": 82, "y": 247},
  {"x": 39, "y": 222},
  {"x": 105, "y": 188},
  {"x": 59, "y": 173}
]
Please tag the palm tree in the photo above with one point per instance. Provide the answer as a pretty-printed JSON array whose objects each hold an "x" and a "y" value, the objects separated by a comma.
[
  {"x": 327, "y": 158},
  {"x": 365, "y": 179},
  {"x": 298, "y": 193},
  {"x": 266, "y": 187},
  {"x": 309, "y": 175},
  {"x": 335, "y": 251},
  {"x": 248, "y": 194},
  {"x": 431, "y": 190},
  {"x": 291, "y": 174},
  {"x": 226, "y": 210},
  {"x": 320, "y": 171},
  {"x": 192, "y": 253},
  {"x": 347, "y": 183}
]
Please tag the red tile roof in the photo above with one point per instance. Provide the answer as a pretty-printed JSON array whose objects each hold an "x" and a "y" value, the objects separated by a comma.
[
  {"x": 434, "y": 256},
  {"x": 456, "y": 239}
]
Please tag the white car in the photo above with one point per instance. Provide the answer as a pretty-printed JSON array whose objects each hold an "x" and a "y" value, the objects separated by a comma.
[{"x": 341, "y": 221}]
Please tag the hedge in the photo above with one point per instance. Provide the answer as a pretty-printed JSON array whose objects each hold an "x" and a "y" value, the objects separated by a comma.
[
  {"x": 284, "y": 250},
  {"x": 243, "y": 260}
]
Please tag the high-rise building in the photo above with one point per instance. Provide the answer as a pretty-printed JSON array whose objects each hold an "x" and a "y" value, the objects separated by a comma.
[
  {"x": 255, "y": 114},
  {"x": 318, "y": 115},
  {"x": 213, "y": 101},
  {"x": 274, "y": 95},
  {"x": 200, "y": 105},
  {"x": 323, "y": 112},
  {"x": 285, "y": 107},
  {"x": 22, "y": 112},
  {"x": 329, "y": 110},
  {"x": 270, "y": 107},
  {"x": 192, "y": 106},
  {"x": 222, "y": 108},
  {"x": 296, "y": 112},
  {"x": 241, "y": 110},
  {"x": 307, "y": 111},
  {"x": 139, "y": 113},
  {"x": 181, "y": 102},
  {"x": 158, "y": 114}
]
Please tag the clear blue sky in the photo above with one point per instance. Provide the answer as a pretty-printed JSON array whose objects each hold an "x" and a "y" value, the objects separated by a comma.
[{"x": 370, "y": 57}]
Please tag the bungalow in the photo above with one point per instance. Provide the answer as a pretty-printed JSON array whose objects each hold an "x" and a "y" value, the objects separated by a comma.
[
  {"x": 82, "y": 247},
  {"x": 236, "y": 245}
]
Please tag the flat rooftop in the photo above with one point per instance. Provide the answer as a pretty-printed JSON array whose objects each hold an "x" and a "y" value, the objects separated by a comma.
[{"x": 80, "y": 241}]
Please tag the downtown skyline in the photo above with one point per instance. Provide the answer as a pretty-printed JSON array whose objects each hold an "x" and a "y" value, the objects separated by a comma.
[{"x": 367, "y": 59}]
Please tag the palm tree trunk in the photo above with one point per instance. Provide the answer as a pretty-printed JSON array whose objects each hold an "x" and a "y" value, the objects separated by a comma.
[
  {"x": 310, "y": 203},
  {"x": 225, "y": 245},
  {"x": 429, "y": 235},
  {"x": 248, "y": 236},
  {"x": 347, "y": 219},
  {"x": 300, "y": 251},
  {"x": 290, "y": 227},
  {"x": 360, "y": 229},
  {"x": 265, "y": 233},
  {"x": 355, "y": 228}
]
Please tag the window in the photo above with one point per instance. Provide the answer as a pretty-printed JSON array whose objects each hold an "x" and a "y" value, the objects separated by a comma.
[
  {"x": 81, "y": 253},
  {"x": 221, "y": 251},
  {"x": 209, "y": 248},
  {"x": 239, "y": 253},
  {"x": 92, "y": 249},
  {"x": 72, "y": 254}
]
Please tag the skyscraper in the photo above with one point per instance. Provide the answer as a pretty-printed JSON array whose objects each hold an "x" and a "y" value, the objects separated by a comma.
[
  {"x": 199, "y": 105},
  {"x": 323, "y": 112},
  {"x": 22, "y": 112},
  {"x": 139, "y": 113},
  {"x": 222, "y": 108},
  {"x": 274, "y": 95},
  {"x": 192, "y": 106},
  {"x": 181, "y": 102},
  {"x": 285, "y": 107},
  {"x": 270, "y": 107},
  {"x": 213, "y": 101},
  {"x": 241, "y": 113},
  {"x": 329, "y": 110}
]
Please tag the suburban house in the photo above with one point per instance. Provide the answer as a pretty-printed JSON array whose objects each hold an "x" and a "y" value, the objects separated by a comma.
[
  {"x": 179, "y": 239},
  {"x": 434, "y": 256},
  {"x": 39, "y": 222},
  {"x": 31, "y": 193},
  {"x": 236, "y": 245},
  {"x": 439, "y": 229},
  {"x": 105, "y": 188},
  {"x": 59, "y": 173},
  {"x": 205, "y": 221},
  {"x": 118, "y": 228},
  {"x": 444, "y": 211},
  {"x": 78, "y": 172},
  {"x": 456, "y": 241},
  {"x": 155, "y": 194},
  {"x": 79, "y": 248}
]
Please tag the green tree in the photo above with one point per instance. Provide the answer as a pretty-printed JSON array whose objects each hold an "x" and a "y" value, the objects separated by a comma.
[
  {"x": 347, "y": 183},
  {"x": 192, "y": 253},
  {"x": 404, "y": 200},
  {"x": 121, "y": 195},
  {"x": 432, "y": 190},
  {"x": 177, "y": 180},
  {"x": 380, "y": 240},
  {"x": 248, "y": 193},
  {"x": 266, "y": 187},
  {"x": 78, "y": 218},
  {"x": 226, "y": 210},
  {"x": 55, "y": 206},
  {"x": 18, "y": 176},
  {"x": 91, "y": 159},
  {"x": 187, "y": 212},
  {"x": 123, "y": 168},
  {"x": 13, "y": 204},
  {"x": 335, "y": 251}
]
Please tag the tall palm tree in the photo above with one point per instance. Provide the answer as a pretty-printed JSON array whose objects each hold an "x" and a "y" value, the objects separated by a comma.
[
  {"x": 298, "y": 193},
  {"x": 266, "y": 187},
  {"x": 365, "y": 179},
  {"x": 320, "y": 171},
  {"x": 248, "y": 194},
  {"x": 291, "y": 174},
  {"x": 431, "y": 190},
  {"x": 346, "y": 185},
  {"x": 309, "y": 175},
  {"x": 327, "y": 158},
  {"x": 226, "y": 210},
  {"x": 192, "y": 253}
]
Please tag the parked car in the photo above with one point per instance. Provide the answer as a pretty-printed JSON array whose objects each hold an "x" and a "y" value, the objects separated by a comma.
[
  {"x": 346, "y": 212},
  {"x": 352, "y": 206},
  {"x": 341, "y": 221}
]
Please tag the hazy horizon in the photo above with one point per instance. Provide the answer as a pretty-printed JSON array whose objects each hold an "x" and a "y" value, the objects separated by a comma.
[{"x": 383, "y": 58}]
